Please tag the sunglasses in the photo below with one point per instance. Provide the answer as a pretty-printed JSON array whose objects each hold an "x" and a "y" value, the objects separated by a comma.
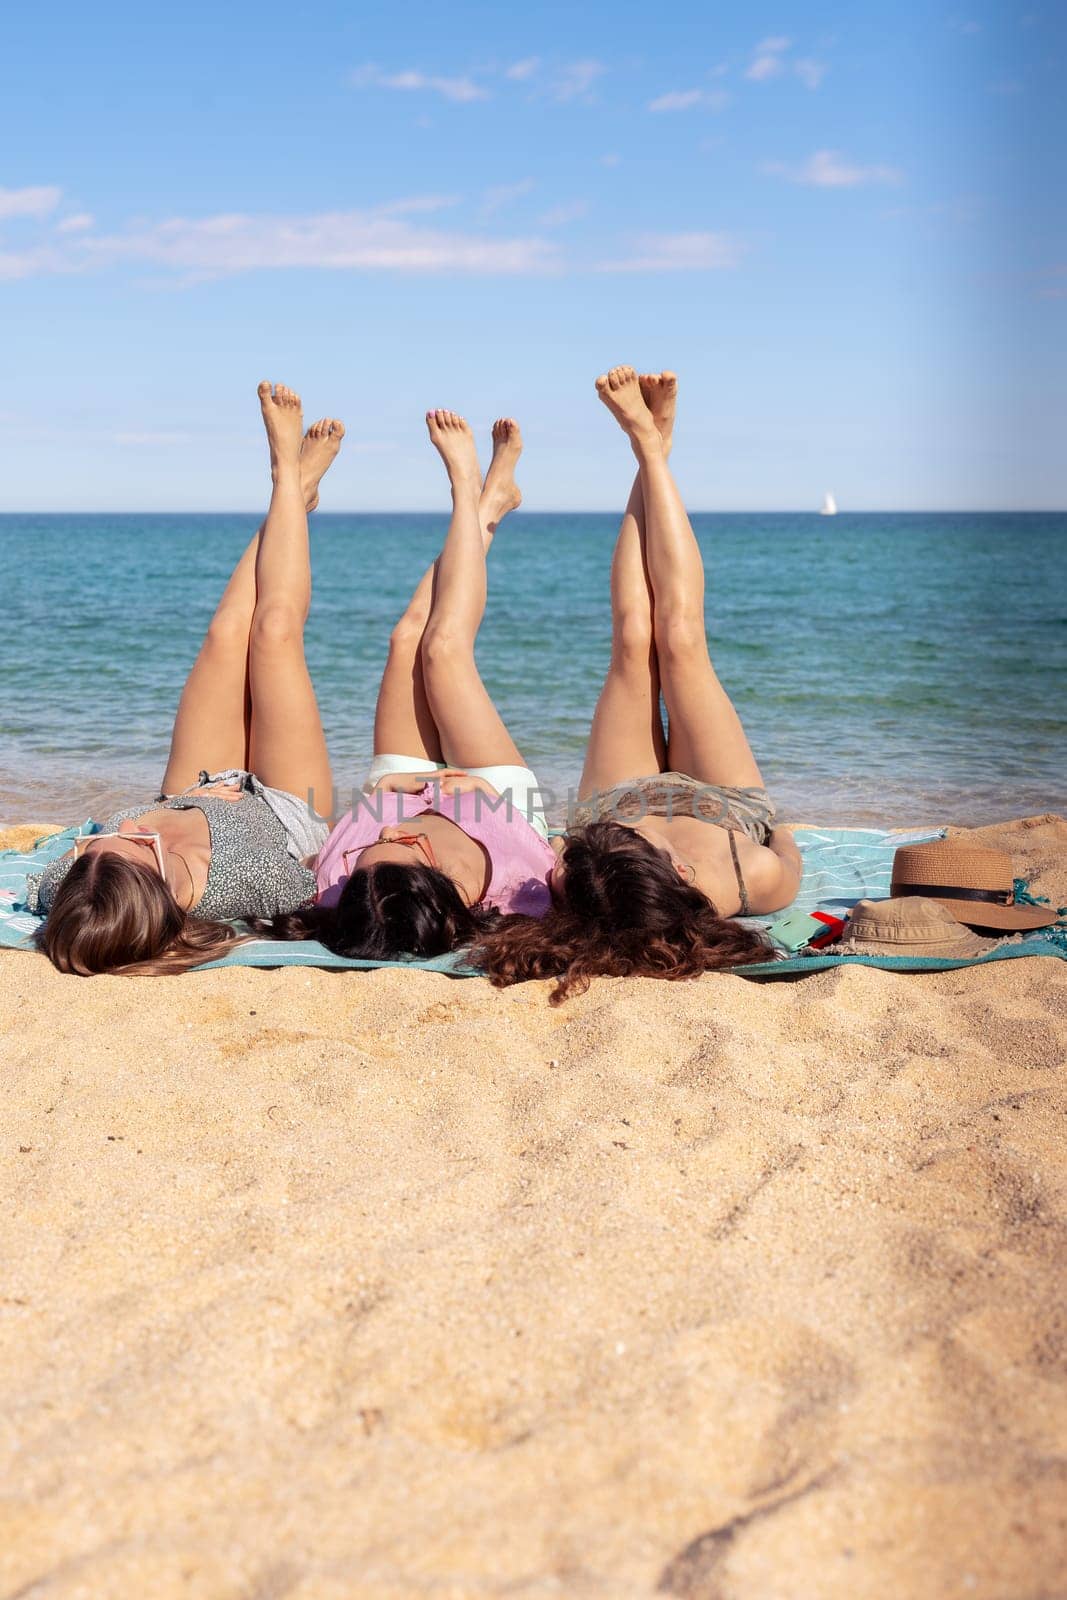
[
  {"x": 154, "y": 839},
  {"x": 413, "y": 841}
]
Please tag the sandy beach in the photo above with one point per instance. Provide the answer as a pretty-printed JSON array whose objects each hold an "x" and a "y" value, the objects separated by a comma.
[{"x": 337, "y": 1285}]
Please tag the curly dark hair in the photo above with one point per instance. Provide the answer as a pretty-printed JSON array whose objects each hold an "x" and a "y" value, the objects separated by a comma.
[
  {"x": 388, "y": 911},
  {"x": 622, "y": 911}
]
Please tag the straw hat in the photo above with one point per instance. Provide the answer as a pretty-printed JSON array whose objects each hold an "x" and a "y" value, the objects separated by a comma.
[
  {"x": 912, "y": 926},
  {"x": 975, "y": 884}
]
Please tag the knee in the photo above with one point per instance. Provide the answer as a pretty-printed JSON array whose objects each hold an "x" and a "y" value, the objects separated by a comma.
[
  {"x": 407, "y": 635},
  {"x": 681, "y": 635},
  {"x": 276, "y": 626},
  {"x": 228, "y": 630},
  {"x": 442, "y": 649},
  {"x": 631, "y": 643}
]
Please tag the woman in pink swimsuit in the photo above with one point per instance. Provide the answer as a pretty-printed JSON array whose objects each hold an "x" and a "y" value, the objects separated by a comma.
[{"x": 448, "y": 834}]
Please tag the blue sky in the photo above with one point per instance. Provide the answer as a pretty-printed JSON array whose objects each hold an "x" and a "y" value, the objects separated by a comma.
[{"x": 843, "y": 227}]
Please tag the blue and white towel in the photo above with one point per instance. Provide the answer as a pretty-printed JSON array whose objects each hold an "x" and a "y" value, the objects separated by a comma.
[{"x": 841, "y": 866}]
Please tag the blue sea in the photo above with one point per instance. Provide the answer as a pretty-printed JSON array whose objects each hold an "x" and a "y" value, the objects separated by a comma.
[{"x": 889, "y": 668}]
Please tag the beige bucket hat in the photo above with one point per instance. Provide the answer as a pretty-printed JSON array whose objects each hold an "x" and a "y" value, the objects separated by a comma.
[
  {"x": 913, "y": 926},
  {"x": 975, "y": 884}
]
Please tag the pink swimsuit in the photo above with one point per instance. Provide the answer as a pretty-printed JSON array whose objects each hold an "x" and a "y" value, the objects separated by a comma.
[{"x": 521, "y": 859}]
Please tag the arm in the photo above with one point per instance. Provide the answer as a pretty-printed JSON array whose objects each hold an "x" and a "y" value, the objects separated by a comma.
[
  {"x": 405, "y": 782},
  {"x": 781, "y": 869}
]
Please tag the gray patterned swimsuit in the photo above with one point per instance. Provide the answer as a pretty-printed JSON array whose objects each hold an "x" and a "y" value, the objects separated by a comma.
[
  {"x": 253, "y": 871},
  {"x": 674, "y": 794}
]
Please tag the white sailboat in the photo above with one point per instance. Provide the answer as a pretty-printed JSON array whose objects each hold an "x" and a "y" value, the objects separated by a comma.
[{"x": 829, "y": 505}]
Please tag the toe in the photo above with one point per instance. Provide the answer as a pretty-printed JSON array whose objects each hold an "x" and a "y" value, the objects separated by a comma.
[
  {"x": 337, "y": 428},
  {"x": 264, "y": 390},
  {"x": 602, "y": 382}
]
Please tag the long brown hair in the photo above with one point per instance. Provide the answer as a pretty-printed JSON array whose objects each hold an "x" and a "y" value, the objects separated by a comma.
[
  {"x": 114, "y": 915},
  {"x": 622, "y": 912}
]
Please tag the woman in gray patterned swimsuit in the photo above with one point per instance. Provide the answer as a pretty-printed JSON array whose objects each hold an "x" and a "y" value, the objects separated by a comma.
[
  {"x": 231, "y": 833},
  {"x": 674, "y": 834}
]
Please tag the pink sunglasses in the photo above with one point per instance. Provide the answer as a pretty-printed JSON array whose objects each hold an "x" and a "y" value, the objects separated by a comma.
[
  {"x": 414, "y": 841},
  {"x": 154, "y": 839}
]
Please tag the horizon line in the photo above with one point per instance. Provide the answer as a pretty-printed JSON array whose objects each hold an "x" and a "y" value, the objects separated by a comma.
[{"x": 554, "y": 511}]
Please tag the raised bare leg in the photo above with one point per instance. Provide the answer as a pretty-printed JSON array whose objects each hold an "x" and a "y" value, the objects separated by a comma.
[
  {"x": 403, "y": 721},
  {"x": 213, "y": 721},
  {"x": 626, "y": 738},
  {"x": 472, "y": 731},
  {"x": 707, "y": 740},
  {"x": 287, "y": 745}
]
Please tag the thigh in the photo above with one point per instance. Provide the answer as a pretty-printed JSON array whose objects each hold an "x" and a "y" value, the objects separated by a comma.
[
  {"x": 211, "y": 727},
  {"x": 706, "y": 739},
  {"x": 403, "y": 721},
  {"x": 287, "y": 745},
  {"x": 471, "y": 729},
  {"x": 626, "y": 737}
]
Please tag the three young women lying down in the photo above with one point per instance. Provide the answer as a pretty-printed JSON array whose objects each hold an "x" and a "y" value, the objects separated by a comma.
[{"x": 674, "y": 835}]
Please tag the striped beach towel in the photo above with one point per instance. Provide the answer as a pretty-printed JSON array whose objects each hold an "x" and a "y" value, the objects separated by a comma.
[{"x": 841, "y": 866}]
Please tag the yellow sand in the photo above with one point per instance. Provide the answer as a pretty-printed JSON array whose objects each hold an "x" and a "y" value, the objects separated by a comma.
[{"x": 324, "y": 1286}]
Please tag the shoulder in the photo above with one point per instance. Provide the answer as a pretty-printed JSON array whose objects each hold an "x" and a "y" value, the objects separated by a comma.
[{"x": 772, "y": 882}]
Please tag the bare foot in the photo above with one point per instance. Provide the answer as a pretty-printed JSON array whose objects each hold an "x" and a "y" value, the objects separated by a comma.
[
  {"x": 621, "y": 393},
  {"x": 317, "y": 453},
  {"x": 284, "y": 423},
  {"x": 500, "y": 493},
  {"x": 660, "y": 391},
  {"x": 453, "y": 440}
]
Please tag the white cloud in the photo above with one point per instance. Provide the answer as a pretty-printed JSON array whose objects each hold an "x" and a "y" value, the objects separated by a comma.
[
  {"x": 680, "y": 252},
  {"x": 521, "y": 70},
  {"x": 827, "y": 169},
  {"x": 767, "y": 61},
  {"x": 38, "y": 202},
  {"x": 559, "y": 216},
  {"x": 810, "y": 72},
  {"x": 575, "y": 81},
  {"x": 503, "y": 194},
  {"x": 76, "y": 224},
  {"x": 677, "y": 100},
  {"x": 686, "y": 99},
  {"x": 29, "y": 263},
  {"x": 462, "y": 90},
  {"x": 764, "y": 67},
  {"x": 225, "y": 245}
]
